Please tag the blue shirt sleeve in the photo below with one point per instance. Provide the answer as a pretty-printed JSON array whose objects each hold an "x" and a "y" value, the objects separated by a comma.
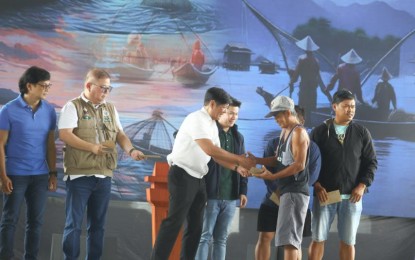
[
  {"x": 270, "y": 151},
  {"x": 314, "y": 164},
  {"x": 4, "y": 119}
]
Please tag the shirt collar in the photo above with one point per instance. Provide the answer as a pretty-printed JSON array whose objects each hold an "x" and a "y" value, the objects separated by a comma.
[
  {"x": 205, "y": 112},
  {"x": 23, "y": 103},
  {"x": 89, "y": 102},
  {"x": 233, "y": 128}
]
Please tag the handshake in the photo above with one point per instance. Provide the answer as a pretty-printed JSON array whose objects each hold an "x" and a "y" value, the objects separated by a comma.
[{"x": 249, "y": 161}]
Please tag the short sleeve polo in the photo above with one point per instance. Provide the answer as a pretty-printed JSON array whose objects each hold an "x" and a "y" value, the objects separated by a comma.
[{"x": 186, "y": 153}]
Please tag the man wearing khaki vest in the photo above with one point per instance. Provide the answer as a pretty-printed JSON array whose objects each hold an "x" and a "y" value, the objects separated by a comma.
[{"x": 90, "y": 128}]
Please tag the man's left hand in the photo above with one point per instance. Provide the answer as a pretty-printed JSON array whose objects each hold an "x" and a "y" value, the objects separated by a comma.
[
  {"x": 357, "y": 193},
  {"x": 265, "y": 175},
  {"x": 244, "y": 201},
  {"x": 53, "y": 182},
  {"x": 137, "y": 155}
]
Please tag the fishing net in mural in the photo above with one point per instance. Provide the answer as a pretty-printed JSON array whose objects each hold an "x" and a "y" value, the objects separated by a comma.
[{"x": 152, "y": 136}]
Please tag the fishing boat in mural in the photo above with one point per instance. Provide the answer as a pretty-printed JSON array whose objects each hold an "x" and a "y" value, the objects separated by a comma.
[
  {"x": 152, "y": 136},
  {"x": 188, "y": 74},
  {"x": 178, "y": 5},
  {"x": 134, "y": 62},
  {"x": 129, "y": 71},
  {"x": 194, "y": 72}
]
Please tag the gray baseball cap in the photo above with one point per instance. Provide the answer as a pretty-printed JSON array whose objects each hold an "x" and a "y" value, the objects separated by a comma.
[{"x": 280, "y": 103}]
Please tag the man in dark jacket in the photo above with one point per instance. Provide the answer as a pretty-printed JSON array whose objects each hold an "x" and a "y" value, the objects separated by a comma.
[
  {"x": 348, "y": 166},
  {"x": 224, "y": 188}
]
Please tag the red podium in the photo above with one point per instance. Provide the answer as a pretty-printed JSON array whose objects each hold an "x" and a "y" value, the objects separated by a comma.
[{"x": 158, "y": 196}]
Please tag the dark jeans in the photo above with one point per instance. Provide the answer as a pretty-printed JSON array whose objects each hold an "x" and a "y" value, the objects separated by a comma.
[
  {"x": 93, "y": 194},
  {"x": 187, "y": 202},
  {"x": 32, "y": 189}
]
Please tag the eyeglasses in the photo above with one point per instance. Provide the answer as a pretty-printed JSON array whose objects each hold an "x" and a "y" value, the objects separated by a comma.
[
  {"x": 45, "y": 85},
  {"x": 104, "y": 89}
]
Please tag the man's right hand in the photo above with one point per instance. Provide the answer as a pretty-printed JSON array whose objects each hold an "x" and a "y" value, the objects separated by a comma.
[
  {"x": 247, "y": 162},
  {"x": 242, "y": 171},
  {"x": 97, "y": 149},
  {"x": 6, "y": 185},
  {"x": 250, "y": 155},
  {"x": 320, "y": 192}
]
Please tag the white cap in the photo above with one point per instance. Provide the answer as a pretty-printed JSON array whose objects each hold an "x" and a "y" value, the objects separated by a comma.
[
  {"x": 351, "y": 57},
  {"x": 280, "y": 103},
  {"x": 307, "y": 44}
]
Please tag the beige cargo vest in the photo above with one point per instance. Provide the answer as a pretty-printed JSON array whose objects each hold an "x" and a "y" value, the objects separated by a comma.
[{"x": 95, "y": 125}]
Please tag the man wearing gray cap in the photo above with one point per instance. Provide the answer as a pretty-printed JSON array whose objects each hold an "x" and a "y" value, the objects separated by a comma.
[{"x": 292, "y": 153}]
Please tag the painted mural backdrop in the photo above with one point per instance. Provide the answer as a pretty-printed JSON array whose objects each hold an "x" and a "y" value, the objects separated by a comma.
[{"x": 248, "y": 46}]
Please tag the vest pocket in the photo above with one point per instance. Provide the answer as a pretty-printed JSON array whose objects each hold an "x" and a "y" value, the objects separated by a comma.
[
  {"x": 78, "y": 159},
  {"x": 111, "y": 161}
]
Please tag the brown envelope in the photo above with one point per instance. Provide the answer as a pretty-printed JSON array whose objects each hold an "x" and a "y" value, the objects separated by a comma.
[
  {"x": 255, "y": 171},
  {"x": 333, "y": 197},
  {"x": 151, "y": 156}
]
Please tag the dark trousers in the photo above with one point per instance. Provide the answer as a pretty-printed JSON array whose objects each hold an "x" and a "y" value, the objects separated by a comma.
[{"x": 187, "y": 203}]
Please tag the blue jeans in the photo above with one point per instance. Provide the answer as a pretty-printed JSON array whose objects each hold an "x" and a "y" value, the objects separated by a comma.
[
  {"x": 348, "y": 215},
  {"x": 93, "y": 194},
  {"x": 216, "y": 223},
  {"x": 32, "y": 189}
]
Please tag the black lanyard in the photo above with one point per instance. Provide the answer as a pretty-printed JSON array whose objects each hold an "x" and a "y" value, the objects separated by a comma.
[{"x": 282, "y": 142}]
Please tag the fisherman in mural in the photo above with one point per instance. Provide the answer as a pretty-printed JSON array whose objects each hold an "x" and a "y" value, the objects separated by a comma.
[
  {"x": 193, "y": 71},
  {"x": 384, "y": 95},
  {"x": 198, "y": 58},
  {"x": 348, "y": 76},
  {"x": 135, "y": 52},
  {"x": 308, "y": 69}
]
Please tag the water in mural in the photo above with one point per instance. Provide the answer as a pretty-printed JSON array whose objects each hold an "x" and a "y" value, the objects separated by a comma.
[{"x": 147, "y": 50}]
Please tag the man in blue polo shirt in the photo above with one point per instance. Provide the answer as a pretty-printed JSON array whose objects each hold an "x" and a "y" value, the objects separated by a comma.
[{"x": 27, "y": 160}]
